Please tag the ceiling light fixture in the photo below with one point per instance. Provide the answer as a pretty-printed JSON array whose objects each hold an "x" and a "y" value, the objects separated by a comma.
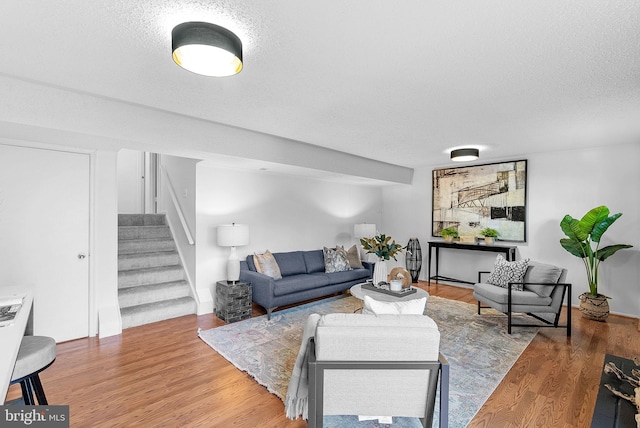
[
  {"x": 206, "y": 49},
  {"x": 464, "y": 155}
]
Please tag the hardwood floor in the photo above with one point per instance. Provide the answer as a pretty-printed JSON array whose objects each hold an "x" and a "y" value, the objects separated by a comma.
[{"x": 163, "y": 375}]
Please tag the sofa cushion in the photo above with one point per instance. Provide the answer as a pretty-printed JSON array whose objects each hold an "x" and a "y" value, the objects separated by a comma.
[
  {"x": 400, "y": 307},
  {"x": 500, "y": 295},
  {"x": 353, "y": 256},
  {"x": 294, "y": 283},
  {"x": 335, "y": 260},
  {"x": 542, "y": 273},
  {"x": 250, "y": 263},
  {"x": 345, "y": 276},
  {"x": 314, "y": 260},
  {"x": 291, "y": 263},
  {"x": 267, "y": 264},
  {"x": 505, "y": 272}
]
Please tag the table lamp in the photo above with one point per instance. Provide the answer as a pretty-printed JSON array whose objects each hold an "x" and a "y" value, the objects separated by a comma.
[{"x": 233, "y": 235}]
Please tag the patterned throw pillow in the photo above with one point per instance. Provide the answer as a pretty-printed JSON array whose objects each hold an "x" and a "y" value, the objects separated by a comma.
[
  {"x": 353, "y": 256},
  {"x": 335, "y": 260},
  {"x": 505, "y": 272},
  {"x": 266, "y": 264}
]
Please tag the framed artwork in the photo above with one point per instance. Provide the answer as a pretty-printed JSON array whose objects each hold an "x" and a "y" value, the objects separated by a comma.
[{"x": 472, "y": 198}]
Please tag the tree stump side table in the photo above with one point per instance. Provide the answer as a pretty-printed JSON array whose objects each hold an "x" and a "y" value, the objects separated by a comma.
[{"x": 233, "y": 301}]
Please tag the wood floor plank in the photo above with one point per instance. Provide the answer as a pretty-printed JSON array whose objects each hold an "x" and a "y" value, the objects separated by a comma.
[{"x": 164, "y": 375}]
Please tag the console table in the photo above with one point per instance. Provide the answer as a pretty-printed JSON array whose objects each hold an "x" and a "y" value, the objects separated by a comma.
[{"x": 509, "y": 252}]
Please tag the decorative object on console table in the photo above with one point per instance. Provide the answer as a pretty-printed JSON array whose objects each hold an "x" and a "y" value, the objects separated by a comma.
[
  {"x": 489, "y": 235},
  {"x": 233, "y": 235},
  {"x": 449, "y": 233},
  {"x": 385, "y": 249},
  {"x": 581, "y": 234},
  {"x": 233, "y": 301}
]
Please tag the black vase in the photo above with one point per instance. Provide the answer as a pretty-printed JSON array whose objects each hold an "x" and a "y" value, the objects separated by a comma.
[{"x": 413, "y": 260}]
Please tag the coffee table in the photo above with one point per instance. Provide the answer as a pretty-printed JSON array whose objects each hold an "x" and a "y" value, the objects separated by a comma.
[{"x": 358, "y": 292}]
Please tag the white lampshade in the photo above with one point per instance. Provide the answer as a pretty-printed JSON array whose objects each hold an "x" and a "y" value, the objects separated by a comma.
[
  {"x": 233, "y": 235},
  {"x": 362, "y": 230}
]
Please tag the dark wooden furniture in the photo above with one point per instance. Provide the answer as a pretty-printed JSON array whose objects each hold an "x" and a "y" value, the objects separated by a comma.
[
  {"x": 611, "y": 410},
  {"x": 508, "y": 251}
]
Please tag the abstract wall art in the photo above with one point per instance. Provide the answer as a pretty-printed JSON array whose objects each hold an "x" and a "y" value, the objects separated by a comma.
[{"x": 476, "y": 197}]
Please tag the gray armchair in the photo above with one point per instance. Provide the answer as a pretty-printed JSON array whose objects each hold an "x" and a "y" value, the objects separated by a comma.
[
  {"x": 386, "y": 365},
  {"x": 543, "y": 292}
]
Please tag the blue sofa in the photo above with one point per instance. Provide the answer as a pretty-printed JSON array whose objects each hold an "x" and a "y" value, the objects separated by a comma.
[{"x": 303, "y": 278}]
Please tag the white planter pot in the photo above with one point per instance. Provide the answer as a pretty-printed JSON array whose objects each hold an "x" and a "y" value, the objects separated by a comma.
[{"x": 380, "y": 271}]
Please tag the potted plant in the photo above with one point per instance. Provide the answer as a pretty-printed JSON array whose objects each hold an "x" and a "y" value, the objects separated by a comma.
[
  {"x": 449, "y": 233},
  {"x": 385, "y": 249},
  {"x": 583, "y": 241},
  {"x": 490, "y": 235}
]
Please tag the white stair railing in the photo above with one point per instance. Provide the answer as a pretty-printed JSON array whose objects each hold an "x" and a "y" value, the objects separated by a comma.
[{"x": 176, "y": 205}]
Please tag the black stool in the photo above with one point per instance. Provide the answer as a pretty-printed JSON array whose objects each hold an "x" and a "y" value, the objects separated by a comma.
[{"x": 36, "y": 353}]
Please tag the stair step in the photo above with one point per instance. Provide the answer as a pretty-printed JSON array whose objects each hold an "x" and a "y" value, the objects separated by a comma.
[
  {"x": 147, "y": 260},
  {"x": 157, "y": 311},
  {"x": 143, "y": 232},
  {"x": 131, "y": 246},
  {"x": 141, "y": 219},
  {"x": 155, "y": 275},
  {"x": 151, "y": 293}
]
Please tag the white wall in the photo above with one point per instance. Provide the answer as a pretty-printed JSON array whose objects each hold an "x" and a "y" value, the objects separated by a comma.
[
  {"x": 284, "y": 213},
  {"x": 559, "y": 183},
  {"x": 130, "y": 182}
]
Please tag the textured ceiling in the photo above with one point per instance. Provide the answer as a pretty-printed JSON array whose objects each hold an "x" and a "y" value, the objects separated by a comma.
[{"x": 400, "y": 82}]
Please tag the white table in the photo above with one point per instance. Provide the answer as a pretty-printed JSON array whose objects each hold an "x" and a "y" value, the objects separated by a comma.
[
  {"x": 11, "y": 336},
  {"x": 358, "y": 292}
]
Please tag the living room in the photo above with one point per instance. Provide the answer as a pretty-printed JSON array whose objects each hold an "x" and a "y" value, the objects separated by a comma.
[{"x": 581, "y": 152}]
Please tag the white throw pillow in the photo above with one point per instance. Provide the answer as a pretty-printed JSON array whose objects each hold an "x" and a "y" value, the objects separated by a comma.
[{"x": 407, "y": 307}]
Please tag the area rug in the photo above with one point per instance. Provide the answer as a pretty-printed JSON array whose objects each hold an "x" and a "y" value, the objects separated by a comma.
[{"x": 478, "y": 348}]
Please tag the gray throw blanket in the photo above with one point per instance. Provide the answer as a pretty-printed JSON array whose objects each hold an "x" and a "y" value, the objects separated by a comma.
[{"x": 296, "y": 403}]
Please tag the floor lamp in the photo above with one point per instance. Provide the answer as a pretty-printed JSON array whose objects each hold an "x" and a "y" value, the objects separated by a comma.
[{"x": 233, "y": 235}]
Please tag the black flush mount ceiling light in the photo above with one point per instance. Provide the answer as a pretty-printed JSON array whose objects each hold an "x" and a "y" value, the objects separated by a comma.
[
  {"x": 464, "y": 155},
  {"x": 206, "y": 49}
]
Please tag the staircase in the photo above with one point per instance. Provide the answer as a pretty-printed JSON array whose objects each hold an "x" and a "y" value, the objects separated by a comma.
[{"x": 151, "y": 280}]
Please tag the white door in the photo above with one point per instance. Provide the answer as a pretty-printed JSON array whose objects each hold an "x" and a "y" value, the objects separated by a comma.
[{"x": 44, "y": 235}]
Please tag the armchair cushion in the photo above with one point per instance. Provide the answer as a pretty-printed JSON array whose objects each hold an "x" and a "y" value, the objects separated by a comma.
[
  {"x": 505, "y": 272},
  {"x": 538, "y": 273},
  {"x": 500, "y": 295}
]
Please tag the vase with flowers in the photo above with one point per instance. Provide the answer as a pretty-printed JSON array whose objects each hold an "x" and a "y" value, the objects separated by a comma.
[{"x": 385, "y": 248}]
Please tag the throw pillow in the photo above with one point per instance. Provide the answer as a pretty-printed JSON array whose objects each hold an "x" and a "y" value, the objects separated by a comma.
[
  {"x": 353, "y": 256},
  {"x": 335, "y": 260},
  {"x": 505, "y": 272},
  {"x": 266, "y": 264},
  {"x": 407, "y": 307}
]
